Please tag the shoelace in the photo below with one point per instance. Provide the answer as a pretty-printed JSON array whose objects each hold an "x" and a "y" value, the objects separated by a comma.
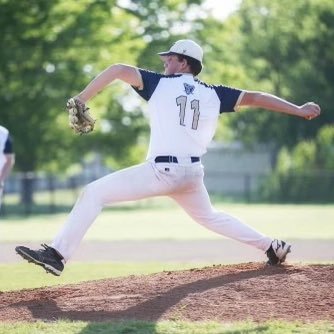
[
  {"x": 52, "y": 250},
  {"x": 45, "y": 246}
]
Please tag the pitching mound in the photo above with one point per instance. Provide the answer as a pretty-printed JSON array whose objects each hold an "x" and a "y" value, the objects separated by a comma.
[{"x": 249, "y": 291}]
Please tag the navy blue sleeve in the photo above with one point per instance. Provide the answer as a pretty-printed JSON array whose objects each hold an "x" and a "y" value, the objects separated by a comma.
[
  {"x": 228, "y": 97},
  {"x": 8, "y": 146},
  {"x": 150, "y": 83}
]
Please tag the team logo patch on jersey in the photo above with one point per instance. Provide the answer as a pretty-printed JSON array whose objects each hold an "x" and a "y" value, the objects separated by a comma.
[{"x": 189, "y": 89}]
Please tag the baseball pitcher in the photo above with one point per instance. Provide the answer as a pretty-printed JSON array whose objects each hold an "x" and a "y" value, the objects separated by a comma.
[{"x": 183, "y": 112}]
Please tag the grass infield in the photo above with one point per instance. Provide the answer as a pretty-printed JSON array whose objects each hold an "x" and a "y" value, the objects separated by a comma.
[
  {"x": 165, "y": 327},
  {"x": 27, "y": 276},
  {"x": 159, "y": 219}
]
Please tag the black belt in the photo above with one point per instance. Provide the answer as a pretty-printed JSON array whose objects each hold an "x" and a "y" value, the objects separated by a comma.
[{"x": 170, "y": 158}]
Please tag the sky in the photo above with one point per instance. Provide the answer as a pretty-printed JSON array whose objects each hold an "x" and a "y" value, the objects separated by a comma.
[{"x": 222, "y": 8}]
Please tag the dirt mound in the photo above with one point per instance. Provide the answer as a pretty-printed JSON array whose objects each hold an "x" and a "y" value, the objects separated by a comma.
[{"x": 249, "y": 291}]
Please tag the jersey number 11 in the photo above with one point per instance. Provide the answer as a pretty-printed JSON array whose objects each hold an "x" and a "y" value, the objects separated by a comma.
[{"x": 181, "y": 101}]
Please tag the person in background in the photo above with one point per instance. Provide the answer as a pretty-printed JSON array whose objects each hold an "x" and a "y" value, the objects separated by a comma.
[{"x": 7, "y": 158}]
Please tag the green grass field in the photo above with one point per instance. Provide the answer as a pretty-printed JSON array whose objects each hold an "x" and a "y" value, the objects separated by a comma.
[
  {"x": 34, "y": 277},
  {"x": 159, "y": 219},
  {"x": 165, "y": 327},
  {"x": 155, "y": 220}
]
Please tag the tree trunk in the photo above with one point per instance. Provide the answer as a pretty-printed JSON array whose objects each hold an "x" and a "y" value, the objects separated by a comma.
[{"x": 27, "y": 191}]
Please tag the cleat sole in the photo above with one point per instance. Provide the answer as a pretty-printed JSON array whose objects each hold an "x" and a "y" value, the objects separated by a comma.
[{"x": 46, "y": 267}]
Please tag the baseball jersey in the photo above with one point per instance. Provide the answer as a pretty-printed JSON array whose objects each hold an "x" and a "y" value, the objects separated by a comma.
[
  {"x": 5, "y": 145},
  {"x": 183, "y": 112}
]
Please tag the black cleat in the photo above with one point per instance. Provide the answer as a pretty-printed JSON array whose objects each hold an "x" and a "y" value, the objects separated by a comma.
[
  {"x": 277, "y": 252},
  {"x": 48, "y": 258}
]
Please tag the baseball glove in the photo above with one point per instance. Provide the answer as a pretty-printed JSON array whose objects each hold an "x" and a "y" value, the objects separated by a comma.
[{"x": 78, "y": 115}]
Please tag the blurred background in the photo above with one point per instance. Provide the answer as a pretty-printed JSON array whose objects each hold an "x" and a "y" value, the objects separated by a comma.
[{"x": 52, "y": 49}]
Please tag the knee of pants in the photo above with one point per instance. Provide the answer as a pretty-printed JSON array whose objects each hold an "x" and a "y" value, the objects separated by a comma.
[
  {"x": 206, "y": 218},
  {"x": 91, "y": 194},
  {"x": 214, "y": 217}
]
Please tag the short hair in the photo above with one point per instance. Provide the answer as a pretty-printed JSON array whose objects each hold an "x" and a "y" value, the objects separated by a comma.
[{"x": 194, "y": 64}]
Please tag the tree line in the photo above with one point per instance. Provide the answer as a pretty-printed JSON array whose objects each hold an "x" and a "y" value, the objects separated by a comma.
[{"x": 52, "y": 49}]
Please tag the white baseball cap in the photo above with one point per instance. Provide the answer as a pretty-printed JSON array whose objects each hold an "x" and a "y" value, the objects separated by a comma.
[{"x": 185, "y": 47}]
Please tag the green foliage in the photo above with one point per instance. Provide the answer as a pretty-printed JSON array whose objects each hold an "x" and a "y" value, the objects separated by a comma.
[
  {"x": 52, "y": 49},
  {"x": 45, "y": 56},
  {"x": 305, "y": 173},
  {"x": 222, "y": 65},
  {"x": 285, "y": 50},
  {"x": 325, "y": 147},
  {"x": 160, "y": 23}
]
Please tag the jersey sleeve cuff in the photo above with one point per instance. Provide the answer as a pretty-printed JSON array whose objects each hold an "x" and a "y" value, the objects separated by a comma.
[
  {"x": 237, "y": 104},
  {"x": 141, "y": 86}
]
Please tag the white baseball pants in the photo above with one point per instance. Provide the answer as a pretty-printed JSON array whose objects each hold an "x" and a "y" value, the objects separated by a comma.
[
  {"x": 1, "y": 196},
  {"x": 183, "y": 183}
]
